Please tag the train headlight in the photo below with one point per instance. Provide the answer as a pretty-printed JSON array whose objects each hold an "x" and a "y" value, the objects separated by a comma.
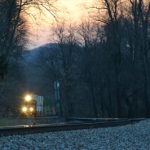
[
  {"x": 28, "y": 98},
  {"x": 31, "y": 109},
  {"x": 24, "y": 109}
]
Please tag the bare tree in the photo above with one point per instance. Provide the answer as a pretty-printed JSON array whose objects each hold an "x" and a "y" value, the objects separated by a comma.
[{"x": 139, "y": 20}]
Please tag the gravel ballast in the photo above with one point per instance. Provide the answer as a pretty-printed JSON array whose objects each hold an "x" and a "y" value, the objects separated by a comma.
[{"x": 129, "y": 137}]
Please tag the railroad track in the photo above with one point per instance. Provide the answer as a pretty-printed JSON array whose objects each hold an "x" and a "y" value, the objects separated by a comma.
[{"x": 31, "y": 129}]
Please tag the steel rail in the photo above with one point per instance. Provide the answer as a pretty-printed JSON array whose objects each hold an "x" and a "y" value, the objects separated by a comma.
[{"x": 32, "y": 129}]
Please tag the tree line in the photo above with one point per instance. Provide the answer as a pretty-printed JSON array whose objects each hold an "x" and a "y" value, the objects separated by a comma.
[
  {"x": 103, "y": 64},
  {"x": 13, "y": 41}
]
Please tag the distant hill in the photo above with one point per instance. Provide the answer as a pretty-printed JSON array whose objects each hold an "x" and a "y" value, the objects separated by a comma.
[{"x": 30, "y": 55}]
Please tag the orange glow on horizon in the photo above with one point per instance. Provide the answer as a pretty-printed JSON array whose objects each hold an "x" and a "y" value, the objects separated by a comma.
[
  {"x": 69, "y": 11},
  {"x": 40, "y": 24},
  {"x": 66, "y": 9}
]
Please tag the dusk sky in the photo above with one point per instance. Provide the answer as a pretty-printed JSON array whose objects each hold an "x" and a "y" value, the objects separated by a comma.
[{"x": 40, "y": 25}]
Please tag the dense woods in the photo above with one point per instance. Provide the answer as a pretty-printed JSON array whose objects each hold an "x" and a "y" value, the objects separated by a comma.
[
  {"x": 106, "y": 71},
  {"x": 12, "y": 42},
  {"x": 102, "y": 65}
]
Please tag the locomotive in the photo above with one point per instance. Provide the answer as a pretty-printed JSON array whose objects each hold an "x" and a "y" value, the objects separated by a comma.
[
  {"x": 28, "y": 106},
  {"x": 35, "y": 105}
]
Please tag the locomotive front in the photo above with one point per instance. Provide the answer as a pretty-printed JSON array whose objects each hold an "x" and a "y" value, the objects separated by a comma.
[{"x": 28, "y": 106}]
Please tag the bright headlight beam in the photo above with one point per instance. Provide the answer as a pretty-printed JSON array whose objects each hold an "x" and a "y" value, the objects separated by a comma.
[
  {"x": 31, "y": 109},
  {"x": 28, "y": 98},
  {"x": 24, "y": 109}
]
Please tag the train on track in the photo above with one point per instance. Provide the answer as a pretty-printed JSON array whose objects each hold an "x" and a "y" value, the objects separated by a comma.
[{"x": 34, "y": 105}]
